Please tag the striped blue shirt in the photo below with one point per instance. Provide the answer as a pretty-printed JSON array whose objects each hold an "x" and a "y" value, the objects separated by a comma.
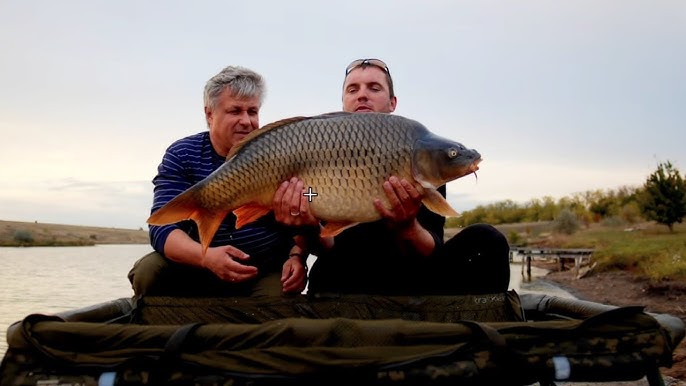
[{"x": 188, "y": 161}]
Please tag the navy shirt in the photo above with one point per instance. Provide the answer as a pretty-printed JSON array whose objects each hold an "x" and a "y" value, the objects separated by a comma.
[{"x": 188, "y": 161}]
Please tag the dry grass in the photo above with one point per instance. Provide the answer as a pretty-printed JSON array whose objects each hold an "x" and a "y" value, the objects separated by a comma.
[
  {"x": 57, "y": 234},
  {"x": 647, "y": 249}
]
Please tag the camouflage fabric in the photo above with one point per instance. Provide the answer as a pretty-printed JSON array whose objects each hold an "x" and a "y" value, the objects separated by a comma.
[
  {"x": 619, "y": 344},
  {"x": 498, "y": 307}
]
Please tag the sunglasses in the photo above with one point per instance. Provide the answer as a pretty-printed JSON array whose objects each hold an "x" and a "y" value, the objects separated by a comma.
[{"x": 366, "y": 62}]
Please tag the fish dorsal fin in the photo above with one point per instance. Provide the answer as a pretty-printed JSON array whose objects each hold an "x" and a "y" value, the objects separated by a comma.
[
  {"x": 435, "y": 202},
  {"x": 279, "y": 123},
  {"x": 283, "y": 122}
]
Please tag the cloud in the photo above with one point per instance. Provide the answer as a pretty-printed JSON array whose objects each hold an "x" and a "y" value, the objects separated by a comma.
[
  {"x": 118, "y": 204},
  {"x": 559, "y": 97}
]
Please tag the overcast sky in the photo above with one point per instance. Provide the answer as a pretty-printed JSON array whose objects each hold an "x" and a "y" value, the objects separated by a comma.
[{"x": 559, "y": 97}]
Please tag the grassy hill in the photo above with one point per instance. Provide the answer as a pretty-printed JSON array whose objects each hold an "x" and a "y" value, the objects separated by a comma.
[{"x": 15, "y": 233}]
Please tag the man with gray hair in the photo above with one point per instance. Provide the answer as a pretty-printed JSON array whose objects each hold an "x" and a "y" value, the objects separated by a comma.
[{"x": 238, "y": 261}]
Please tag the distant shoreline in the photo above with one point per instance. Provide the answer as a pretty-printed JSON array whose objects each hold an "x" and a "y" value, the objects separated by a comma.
[
  {"x": 33, "y": 234},
  {"x": 28, "y": 234}
]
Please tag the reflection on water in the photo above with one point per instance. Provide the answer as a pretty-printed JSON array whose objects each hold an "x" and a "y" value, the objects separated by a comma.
[
  {"x": 517, "y": 282},
  {"x": 54, "y": 279}
]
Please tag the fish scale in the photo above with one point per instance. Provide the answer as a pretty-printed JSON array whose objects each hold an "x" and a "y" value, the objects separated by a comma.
[
  {"x": 347, "y": 169},
  {"x": 343, "y": 157}
]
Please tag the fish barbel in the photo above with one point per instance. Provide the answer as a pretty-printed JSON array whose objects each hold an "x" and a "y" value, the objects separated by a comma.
[{"x": 343, "y": 157}]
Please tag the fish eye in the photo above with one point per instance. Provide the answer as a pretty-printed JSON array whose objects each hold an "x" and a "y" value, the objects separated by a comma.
[{"x": 452, "y": 152}]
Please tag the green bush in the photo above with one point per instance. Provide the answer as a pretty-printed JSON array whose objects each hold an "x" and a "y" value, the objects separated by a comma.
[
  {"x": 630, "y": 212},
  {"x": 566, "y": 222},
  {"x": 514, "y": 238},
  {"x": 664, "y": 196},
  {"x": 23, "y": 237}
]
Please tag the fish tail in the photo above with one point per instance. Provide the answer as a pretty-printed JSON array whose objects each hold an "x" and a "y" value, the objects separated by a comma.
[
  {"x": 208, "y": 223},
  {"x": 186, "y": 207}
]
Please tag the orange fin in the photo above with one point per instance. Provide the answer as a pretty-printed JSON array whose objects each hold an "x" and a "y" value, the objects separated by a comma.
[
  {"x": 249, "y": 213},
  {"x": 208, "y": 223},
  {"x": 435, "y": 202},
  {"x": 180, "y": 208},
  {"x": 332, "y": 229},
  {"x": 185, "y": 207}
]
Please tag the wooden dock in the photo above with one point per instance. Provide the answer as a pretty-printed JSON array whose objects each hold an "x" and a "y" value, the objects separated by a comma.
[{"x": 579, "y": 255}]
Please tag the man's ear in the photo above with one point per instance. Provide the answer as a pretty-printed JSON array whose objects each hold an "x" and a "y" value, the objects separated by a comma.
[
  {"x": 394, "y": 102},
  {"x": 208, "y": 115}
]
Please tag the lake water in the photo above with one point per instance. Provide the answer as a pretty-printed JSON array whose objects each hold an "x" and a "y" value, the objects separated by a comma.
[{"x": 54, "y": 279}]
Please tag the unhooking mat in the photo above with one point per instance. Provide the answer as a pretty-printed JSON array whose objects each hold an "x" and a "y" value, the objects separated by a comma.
[{"x": 619, "y": 344}]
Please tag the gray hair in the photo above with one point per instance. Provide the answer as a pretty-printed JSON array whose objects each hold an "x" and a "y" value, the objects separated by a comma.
[{"x": 241, "y": 81}]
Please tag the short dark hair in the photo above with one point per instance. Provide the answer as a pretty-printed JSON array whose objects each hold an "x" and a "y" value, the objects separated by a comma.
[{"x": 364, "y": 63}]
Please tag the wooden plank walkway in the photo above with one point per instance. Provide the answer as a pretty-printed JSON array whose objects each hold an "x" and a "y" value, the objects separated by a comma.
[{"x": 579, "y": 255}]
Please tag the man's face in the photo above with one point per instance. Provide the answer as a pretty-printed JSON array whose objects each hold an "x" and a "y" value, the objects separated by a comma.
[
  {"x": 366, "y": 90},
  {"x": 231, "y": 119}
]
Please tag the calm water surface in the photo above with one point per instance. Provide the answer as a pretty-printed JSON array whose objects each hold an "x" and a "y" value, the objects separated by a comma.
[{"x": 54, "y": 279}]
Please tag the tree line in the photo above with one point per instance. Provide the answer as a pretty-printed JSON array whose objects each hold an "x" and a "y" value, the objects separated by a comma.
[{"x": 662, "y": 198}]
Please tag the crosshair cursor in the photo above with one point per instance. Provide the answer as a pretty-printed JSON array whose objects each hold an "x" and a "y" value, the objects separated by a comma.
[{"x": 310, "y": 194}]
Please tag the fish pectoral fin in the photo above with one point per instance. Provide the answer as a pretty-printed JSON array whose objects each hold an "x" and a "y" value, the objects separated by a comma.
[
  {"x": 332, "y": 229},
  {"x": 248, "y": 213},
  {"x": 436, "y": 203}
]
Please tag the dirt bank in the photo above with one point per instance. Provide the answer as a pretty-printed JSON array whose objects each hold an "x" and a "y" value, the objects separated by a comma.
[
  {"x": 58, "y": 234},
  {"x": 623, "y": 289}
]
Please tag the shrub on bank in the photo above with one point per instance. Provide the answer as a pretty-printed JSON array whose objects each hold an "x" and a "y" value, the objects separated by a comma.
[
  {"x": 23, "y": 237},
  {"x": 566, "y": 222}
]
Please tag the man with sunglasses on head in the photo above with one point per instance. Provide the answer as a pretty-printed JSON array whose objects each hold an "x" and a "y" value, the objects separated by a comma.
[{"x": 403, "y": 253}]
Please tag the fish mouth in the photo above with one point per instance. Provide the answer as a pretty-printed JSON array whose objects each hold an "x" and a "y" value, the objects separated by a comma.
[{"x": 474, "y": 166}]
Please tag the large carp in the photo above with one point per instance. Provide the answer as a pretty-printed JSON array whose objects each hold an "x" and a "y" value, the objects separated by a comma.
[{"x": 343, "y": 157}]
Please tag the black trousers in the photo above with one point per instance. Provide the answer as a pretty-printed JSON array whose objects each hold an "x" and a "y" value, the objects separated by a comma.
[{"x": 474, "y": 261}]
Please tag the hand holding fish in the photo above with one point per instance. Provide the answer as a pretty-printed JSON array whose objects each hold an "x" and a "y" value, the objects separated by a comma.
[
  {"x": 291, "y": 207},
  {"x": 405, "y": 201},
  {"x": 224, "y": 262}
]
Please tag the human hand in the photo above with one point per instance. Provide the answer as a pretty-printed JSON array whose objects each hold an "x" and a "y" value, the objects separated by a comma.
[
  {"x": 290, "y": 206},
  {"x": 405, "y": 201},
  {"x": 225, "y": 263},
  {"x": 293, "y": 275}
]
